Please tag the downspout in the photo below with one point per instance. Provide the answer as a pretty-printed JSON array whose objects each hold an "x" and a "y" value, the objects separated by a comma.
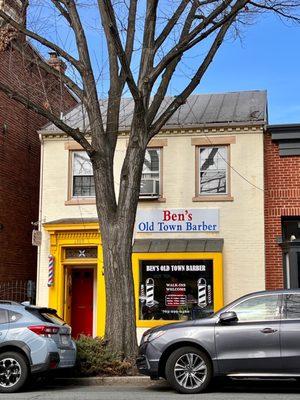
[{"x": 40, "y": 218}]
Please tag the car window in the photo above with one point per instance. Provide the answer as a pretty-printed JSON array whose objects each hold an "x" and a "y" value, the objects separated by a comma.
[
  {"x": 14, "y": 316},
  {"x": 292, "y": 306},
  {"x": 262, "y": 308},
  {"x": 3, "y": 316}
]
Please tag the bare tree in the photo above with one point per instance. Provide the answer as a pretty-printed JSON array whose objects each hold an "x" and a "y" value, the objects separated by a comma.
[{"x": 168, "y": 34}]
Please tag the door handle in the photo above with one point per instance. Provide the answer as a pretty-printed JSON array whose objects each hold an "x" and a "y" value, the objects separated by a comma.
[{"x": 268, "y": 330}]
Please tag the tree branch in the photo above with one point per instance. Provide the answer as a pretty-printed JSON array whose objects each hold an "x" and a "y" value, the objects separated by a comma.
[
  {"x": 181, "y": 98},
  {"x": 169, "y": 71},
  {"x": 74, "y": 133},
  {"x": 40, "y": 63},
  {"x": 41, "y": 40},
  {"x": 148, "y": 49},
  {"x": 108, "y": 17},
  {"x": 170, "y": 25}
]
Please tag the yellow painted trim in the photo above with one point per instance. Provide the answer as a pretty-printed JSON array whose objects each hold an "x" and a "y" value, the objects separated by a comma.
[
  {"x": 72, "y": 235},
  {"x": 217, "y": 278},
  {"x": 76, "y": 235}
]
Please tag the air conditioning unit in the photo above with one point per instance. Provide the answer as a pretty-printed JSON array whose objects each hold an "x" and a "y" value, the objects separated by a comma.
[{"x": 149, "y": 188}]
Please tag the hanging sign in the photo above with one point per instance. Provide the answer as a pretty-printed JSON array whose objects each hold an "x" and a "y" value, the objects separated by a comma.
[{"x": 177, "y": 220}]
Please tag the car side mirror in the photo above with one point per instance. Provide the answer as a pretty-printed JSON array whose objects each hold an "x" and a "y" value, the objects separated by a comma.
[{"x": 228, "y": 317}]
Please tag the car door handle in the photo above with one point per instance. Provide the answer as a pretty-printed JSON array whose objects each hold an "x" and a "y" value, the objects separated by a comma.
[{"x": 268, "y": 330}]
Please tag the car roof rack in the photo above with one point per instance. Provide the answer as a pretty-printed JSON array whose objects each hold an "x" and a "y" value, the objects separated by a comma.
[{"x": 10, "y": 302}]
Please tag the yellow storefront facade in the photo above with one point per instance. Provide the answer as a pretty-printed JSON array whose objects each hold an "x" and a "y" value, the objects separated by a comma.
[
  {"x": 199, "y": 235},
  {"x": 66, "y": 235}
]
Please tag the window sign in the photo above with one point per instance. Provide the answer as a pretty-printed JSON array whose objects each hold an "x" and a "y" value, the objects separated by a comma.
[{"x": 176, "y": 290}]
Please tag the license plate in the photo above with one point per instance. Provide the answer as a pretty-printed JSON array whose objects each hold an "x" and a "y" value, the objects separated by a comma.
[{"x": 65, "y": 340}]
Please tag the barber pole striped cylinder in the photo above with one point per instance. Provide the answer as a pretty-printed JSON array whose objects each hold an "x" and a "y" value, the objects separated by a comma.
[
  {"x": 202, "y": 297},
  {"x": 50, "y": 270},
  {"x": 149, "y": 292}
]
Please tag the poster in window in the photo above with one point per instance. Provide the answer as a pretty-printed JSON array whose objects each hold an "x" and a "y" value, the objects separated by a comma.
[{"x": 175, "y": 290}]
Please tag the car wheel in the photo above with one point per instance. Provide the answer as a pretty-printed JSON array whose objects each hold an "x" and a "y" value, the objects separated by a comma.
[
  {"x": 14, "y": 372},
  {"x": 188, "y": 370}
]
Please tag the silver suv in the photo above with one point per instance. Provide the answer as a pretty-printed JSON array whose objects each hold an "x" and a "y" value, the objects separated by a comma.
[
  {"x": 255, "y": 336},
  {"x": 32, "y": 340}
]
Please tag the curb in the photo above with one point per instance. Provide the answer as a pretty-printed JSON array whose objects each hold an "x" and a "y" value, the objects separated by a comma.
[{"x": 137, "y": 380}]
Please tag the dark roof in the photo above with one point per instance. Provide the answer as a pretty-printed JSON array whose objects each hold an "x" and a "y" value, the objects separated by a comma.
[
  {"x": 178, "y": 245},
  {"x": 200, "y": 109},
  {"x": 288, "y": 138}
]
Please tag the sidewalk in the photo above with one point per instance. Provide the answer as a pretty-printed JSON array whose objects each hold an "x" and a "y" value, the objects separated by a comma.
[{"x": 137, "y": 380}]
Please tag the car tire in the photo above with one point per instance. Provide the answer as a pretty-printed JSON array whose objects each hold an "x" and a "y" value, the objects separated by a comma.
[
  {"x": 14, "y": 372},
  {"x": 188, "y": 370}
]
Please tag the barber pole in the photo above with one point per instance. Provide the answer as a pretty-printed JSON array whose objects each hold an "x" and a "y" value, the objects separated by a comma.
[
  {"x": 202, "y": 297},
  {"x": 149, "y": 292},
  {"x": 50, "y": 271}
]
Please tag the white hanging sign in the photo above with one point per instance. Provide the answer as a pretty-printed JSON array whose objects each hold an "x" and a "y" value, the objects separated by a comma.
[{"x": 177, "y": 220}]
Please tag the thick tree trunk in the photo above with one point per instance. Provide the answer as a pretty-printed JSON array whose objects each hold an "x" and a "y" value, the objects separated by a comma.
[
  {"x": 120, "y": 301},
  {"x": 117, "y": 227}
]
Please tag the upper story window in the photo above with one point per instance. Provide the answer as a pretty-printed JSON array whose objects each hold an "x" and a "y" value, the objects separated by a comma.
[
  {"x": 83, "y": 184},
  {"x": 150, "y": 183},
  {"x": 213, "y": 170}
]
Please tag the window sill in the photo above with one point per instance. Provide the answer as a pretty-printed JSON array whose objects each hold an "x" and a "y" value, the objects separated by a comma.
[
  {"x": 80, "y": 201},
  {"x": 213, "y": 198},
  {"x": 153, "y": 200}
]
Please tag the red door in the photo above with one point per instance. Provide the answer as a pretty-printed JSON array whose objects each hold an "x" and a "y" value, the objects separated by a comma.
[{"x": 82, "y": 302}]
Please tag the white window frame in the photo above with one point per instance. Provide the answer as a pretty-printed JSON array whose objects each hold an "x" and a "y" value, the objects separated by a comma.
[
  {"x": 154, "y": 195},
  {"x": 73, "y": 152},
  {"x": 210, "y": 194}
]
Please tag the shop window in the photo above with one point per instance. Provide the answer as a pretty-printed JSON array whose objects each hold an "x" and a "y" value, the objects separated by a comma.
[
  {"x": 213, "y": 170},
  {"x": 175, "y": 290},
  {"x": 83, "y": 184},
  {"x": 151, "y": 176}
]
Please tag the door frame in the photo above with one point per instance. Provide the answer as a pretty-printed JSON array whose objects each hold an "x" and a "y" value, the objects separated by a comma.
[{"x": 68, "y": 268}]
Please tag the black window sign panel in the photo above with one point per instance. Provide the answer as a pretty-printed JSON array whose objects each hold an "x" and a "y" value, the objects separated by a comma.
[{"x": 176, "y": 290}]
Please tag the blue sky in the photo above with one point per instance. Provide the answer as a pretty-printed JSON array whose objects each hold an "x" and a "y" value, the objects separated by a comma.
[{"x": 268, "y": 58}]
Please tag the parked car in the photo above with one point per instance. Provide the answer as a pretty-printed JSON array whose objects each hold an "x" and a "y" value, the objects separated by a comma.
[
  {"x": 32, "y": 340},
  {"x": 257, "y": 335}
]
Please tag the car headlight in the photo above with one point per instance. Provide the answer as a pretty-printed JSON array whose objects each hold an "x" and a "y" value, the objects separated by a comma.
[{"x": 149, "y": 337}]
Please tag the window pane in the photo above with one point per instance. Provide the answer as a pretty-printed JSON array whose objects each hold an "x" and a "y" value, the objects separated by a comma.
[
  {"x": 3, "y": 316},
  {"x": 262, "y": 308},
  {"x": 150, "y": 184},
  {"x": 82, "y": 164},
  {"x": 292, "y": 304},
  {"x": 213, "y": 182},
  {"x": 83, "y": 186},
  {"x": 213, "y": 170},
  {"x": 151, "y": 163}
]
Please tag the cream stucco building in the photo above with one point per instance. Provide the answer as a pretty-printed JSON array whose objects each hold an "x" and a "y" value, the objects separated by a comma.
[{"x": 199, "y": 240}]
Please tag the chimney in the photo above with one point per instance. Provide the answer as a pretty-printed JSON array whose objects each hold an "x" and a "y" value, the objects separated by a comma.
[{"x": 55, "y": 62}]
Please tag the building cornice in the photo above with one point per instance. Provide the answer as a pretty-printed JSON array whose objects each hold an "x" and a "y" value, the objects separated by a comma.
[{"x": 174, "y": 131}]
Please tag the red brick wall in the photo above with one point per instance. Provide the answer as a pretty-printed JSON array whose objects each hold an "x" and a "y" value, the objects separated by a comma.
[
  {"x": 20, "y": 161},
  {"x": 282, "y": 198}
]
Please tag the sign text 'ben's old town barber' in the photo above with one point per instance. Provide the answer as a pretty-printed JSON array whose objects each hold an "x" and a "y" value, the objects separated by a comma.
[{"x": 177, "y": 220}]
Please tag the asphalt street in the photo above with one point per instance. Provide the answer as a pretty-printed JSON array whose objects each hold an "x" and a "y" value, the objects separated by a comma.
[{"x": 249, "y": 390}]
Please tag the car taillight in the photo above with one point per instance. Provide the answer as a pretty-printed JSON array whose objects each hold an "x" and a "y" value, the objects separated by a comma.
[{"x": 44, "y": 330}]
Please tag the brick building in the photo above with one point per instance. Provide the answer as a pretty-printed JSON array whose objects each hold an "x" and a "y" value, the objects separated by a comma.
[
  {"x": 282, "y": 206},
  {"x": 20, "y": 146}
]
